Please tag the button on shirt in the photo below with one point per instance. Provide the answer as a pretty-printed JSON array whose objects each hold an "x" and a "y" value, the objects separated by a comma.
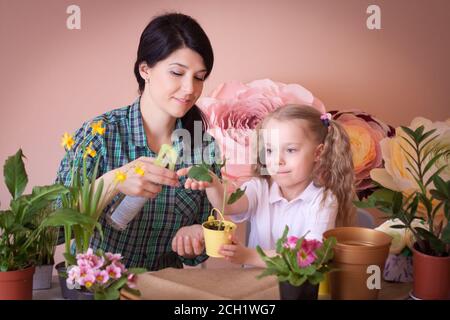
[
  {"x": 146, "y": 242},
  {"x": 269, "y": 212}
]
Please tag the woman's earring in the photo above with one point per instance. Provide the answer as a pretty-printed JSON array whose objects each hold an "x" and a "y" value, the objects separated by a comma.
[{"x": 147, "y": 80}]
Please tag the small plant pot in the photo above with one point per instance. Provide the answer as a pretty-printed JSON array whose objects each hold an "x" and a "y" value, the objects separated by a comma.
[
  {"x": 70, "y": 294},
  {"x": 217, "y": 233},
  {"x": 17, "y": 285},
  {"x": 306, "y": 291},
  {"x": 42, "y": 278}
]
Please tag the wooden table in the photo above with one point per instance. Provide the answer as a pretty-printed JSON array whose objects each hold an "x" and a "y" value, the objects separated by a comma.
[{"x": 234, "y": 284}]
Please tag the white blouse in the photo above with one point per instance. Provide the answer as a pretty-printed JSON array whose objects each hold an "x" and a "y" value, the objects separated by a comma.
[{"x": 269, "y": 213}]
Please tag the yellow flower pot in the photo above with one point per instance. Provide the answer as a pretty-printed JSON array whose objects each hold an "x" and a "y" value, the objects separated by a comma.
[{"x": 214, "y": 239}]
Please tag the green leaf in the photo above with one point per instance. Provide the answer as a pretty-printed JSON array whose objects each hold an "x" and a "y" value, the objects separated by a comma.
[
  {"x": 70, "y": 258},
  {"x": 15, "y": 174},
  {"x": 446, "y": 234},
  {"x": 432, "y": 162},
  {"x": 410, "y": 133},
  {"x": 200, "y": 173},
  {"x": 398, "y": 226},
  {"x": 412, "y": 208},
  {"x": 441, "y": 186},
  {"x": 132, "y": 291},
  {"x": 438, "y": 195},
  {"x": 137, "y": 270},
  {"x": 235, "y": 196},
  {"x": 397, "y": 202},
  {"x": 419, "y": 132},
  {"x": 6, "y": 219},
  {"x": 422, "y": 137},
  {"x": 436, "y": 244},
  {"x": 67, "y": 217},
  {"x": 437, "y": 173}
]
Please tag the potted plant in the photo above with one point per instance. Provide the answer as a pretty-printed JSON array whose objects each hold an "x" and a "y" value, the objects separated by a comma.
[
  {"x": 45, "y": 244},
  {"x": 412, "y": 188},
  {"x": 300, "y": 265},
  {"x": 81, "y": 207},
  {"x": 216, "y": 230},
  {"x": 102, "y": 275},
  {"x": 19, "y": 229}
]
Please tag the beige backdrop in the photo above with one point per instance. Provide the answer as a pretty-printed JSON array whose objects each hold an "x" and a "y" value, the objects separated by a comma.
[{"x": 53, "y": 79}]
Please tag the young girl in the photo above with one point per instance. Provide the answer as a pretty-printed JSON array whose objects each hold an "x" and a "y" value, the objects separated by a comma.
[{"x": 309, "y": 186}]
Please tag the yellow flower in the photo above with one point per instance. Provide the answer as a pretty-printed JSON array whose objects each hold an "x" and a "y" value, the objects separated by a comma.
[
  {"x": 120, "y": 177},
  {"x": 97, "y": 128},
  {"x": 89, "y": 151},
  {"x": 139, "y": 170},
  {"x": 67, "y": 141}
]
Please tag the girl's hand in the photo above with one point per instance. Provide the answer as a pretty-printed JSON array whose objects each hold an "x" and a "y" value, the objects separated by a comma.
[
  {"x": 235, "y": 252},
  {"x": 189, "y": 242},
  {"x": 145, "y": 179},
  {"x": 194, "y": 184}
]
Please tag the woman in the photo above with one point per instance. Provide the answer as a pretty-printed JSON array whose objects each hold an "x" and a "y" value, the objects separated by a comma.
[{"x": 174, "y": 58}]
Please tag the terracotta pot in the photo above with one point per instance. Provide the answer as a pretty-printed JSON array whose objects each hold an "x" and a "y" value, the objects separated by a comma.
[
  {"x": 356, "y": 249},
  {"x": 431, "y": 276},
  {"x": 306, "y": 291},
  {"x": 17, "y": 285}
]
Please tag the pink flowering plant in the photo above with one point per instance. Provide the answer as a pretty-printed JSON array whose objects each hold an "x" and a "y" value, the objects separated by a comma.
[
  {"x": 103, "y": 274},
  {"x": 299, "y": 259}
]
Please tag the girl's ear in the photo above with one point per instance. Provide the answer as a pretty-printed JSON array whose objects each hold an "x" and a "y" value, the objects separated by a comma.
[
  {"x": 318, "y": 152},
  {"x": 144, "y": 71}
]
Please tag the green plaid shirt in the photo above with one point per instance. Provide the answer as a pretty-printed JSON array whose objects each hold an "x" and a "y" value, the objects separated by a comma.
[{"x": 146, "y": 242}]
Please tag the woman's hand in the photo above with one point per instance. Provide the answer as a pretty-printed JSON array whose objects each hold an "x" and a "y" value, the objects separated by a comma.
[
  {"x": 145, "y": 179},
  {"x": 189, "y": 242},
  {"x": 236, "y": 252}
]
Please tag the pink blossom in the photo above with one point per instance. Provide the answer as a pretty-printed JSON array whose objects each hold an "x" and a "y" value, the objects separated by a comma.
[
  {"x": 307, "y": 253},
  {"x": 73, "y": 276},
  {"x": 234, "y": 110},
  {"x": 311, "y": 245},
  {"x": 114, "y": 271},
  {"x": 87, "y": 277},
  {"x": 89, "y": 259},
  {"x": 304, "y": 258},
  {"x": 113, "y": 256},
  {"x": 101, "y": 276},
  {"x": 291, "y": 242}
]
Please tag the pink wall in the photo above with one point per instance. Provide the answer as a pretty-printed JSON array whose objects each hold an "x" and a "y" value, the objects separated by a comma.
[{"x": 52, "y": 78}]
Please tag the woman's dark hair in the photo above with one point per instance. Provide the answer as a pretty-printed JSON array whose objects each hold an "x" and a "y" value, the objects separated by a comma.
[{"x": 166, "y": 34}]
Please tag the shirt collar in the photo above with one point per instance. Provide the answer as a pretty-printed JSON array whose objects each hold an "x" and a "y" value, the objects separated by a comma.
[
  {"x": 307, "y": 195},
  {"x": 138, "y": 135}
]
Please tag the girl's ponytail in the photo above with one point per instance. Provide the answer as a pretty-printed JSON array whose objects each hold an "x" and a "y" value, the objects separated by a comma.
[{"x": 334, "y": 171}]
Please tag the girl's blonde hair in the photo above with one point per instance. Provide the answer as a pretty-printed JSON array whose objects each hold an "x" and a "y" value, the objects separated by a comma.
[{"x": 334, "y": 169}]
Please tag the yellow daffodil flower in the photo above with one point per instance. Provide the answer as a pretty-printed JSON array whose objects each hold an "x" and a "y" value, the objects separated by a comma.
[
  {"x": 139, "y": 170},
  {"x": 120, "y": 176},
  {"x": 89, "y": 151},
  {"x": 67, "y": 141},
  {"x": 97, "y": 128}
]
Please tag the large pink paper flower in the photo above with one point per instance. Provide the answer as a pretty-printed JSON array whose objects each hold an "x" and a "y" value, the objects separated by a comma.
[
  {"x": 365, "y": 133},
  {"x": 234, "y": 110}
]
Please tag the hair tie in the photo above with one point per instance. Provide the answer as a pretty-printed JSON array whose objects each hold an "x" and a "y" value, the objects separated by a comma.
[{"x": 326, "y": 118}]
